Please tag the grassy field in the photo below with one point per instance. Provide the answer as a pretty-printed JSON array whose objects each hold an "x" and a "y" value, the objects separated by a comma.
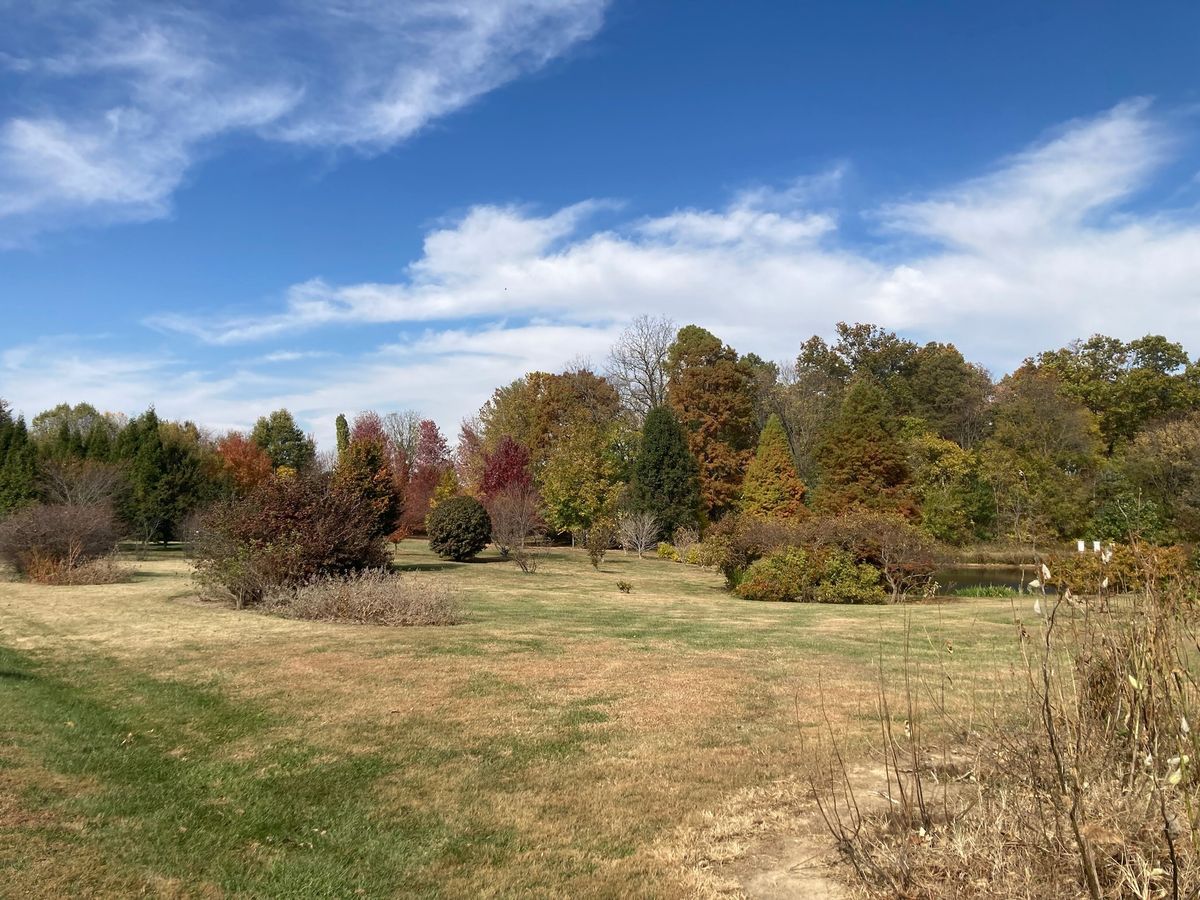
[{"x": 568, "y": 740}]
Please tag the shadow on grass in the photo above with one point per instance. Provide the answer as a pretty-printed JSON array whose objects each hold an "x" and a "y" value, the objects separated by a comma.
[
  {"x": 15, "y": 675},
  {"x": 423, "y": 567}
]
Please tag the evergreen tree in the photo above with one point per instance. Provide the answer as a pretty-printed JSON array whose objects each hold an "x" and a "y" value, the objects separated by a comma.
[
  {"x": 342, "y": 427},
  {"x": 18, "y": 463},
  {"x": 862, "y": 464},
  {"x": 166, "y": 474},
  {"x": 99, "y": 443},
  {"x": 665, "y": 479},
  {"x": 772, "y": 489},
  {"x": 280, "y": 436}
]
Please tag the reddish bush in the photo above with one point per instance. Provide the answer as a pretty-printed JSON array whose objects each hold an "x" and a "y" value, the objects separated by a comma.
[{"x": 287, "y": 532}]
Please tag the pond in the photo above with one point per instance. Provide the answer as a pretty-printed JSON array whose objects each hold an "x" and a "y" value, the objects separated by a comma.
[{"x": 955, "y": 578}]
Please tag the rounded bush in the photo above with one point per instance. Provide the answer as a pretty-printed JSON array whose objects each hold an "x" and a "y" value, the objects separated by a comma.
[
  {"x": 823, "y": 576},
  {"x": 458, "y": 528}
]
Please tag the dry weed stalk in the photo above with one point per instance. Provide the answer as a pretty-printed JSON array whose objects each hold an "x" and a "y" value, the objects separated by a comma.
[{"x": 1080, "y": 780}]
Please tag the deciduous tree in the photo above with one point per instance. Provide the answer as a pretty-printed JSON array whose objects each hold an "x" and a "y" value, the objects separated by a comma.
[{"x": 712, "y": 393}]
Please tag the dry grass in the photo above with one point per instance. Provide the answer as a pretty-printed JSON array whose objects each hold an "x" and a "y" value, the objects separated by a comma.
[
  {"x": 102, "y": 570},
  {"x": 371, "y": 597},
  {"x": 567, "y": 740}
]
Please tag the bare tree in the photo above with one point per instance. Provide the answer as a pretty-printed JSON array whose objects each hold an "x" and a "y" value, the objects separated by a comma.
[
  {"x": 638, "y": 531},
  {"x": 517, "y": 524},
  {"x": 80, "y": 482},
  {"x": 637, "y": 363},
  {"x": 404, "y": 430}
]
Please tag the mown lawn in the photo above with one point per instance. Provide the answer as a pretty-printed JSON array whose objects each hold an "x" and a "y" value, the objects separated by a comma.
[{"x": 566, "y": 740}]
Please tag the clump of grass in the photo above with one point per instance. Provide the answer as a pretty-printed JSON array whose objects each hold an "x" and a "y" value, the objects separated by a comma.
[
  {"x": 370, "y": 597},
  {"x": 102, "y": 570},
  {"x": 985, "y": 591}
]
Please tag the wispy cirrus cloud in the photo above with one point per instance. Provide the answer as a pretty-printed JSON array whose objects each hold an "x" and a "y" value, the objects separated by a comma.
[{"x": 111, "y": 102}]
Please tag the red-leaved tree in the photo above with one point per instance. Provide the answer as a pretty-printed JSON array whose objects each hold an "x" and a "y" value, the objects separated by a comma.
[
  {"x": 507, "y": 466},
  {"x": 244, "y": 463},
  {"x": 431, "y": 459}
]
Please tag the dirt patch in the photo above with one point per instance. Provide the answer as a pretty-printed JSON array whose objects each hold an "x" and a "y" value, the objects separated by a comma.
[{"x": 771, "y": 843}]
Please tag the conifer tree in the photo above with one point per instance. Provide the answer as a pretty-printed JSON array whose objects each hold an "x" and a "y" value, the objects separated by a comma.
[
  {"x": 772, "y": 489},
  {"x": 18, "y": 463},
  {"x": 665, "y": 479},
  {"x": 712, "y": 392},
  {"x": 862, "y": 464},
  {"x": 343, "y": 434},
  {"x": 285, "y": 443}
]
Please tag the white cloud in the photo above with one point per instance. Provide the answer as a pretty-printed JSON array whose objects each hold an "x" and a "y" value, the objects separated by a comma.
[
  {"x": 1045, "y": 248},
  {"x": 1032, "y": 254},
  {"x": 119, "y": 99}
]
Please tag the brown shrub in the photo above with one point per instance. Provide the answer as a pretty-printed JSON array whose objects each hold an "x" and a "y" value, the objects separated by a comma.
[
  {"x": 905, "y": 555},
  {"x": 1118, "y": 569},
  {"x": 101, "y": 570},
  {"x": 47, "y": 541},
  {"x": 516, "y": 523},
  {"x": 371, "y": 597},
  {"x": 287, "y": 532},
  {"x": 737, "y": 541}
]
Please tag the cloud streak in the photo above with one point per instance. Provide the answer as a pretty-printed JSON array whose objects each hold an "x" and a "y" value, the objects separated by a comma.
[
  {"x": 1042, "y": 241},
  {"x": 113, "y": 103},
  {"x": 1048, "y": 245}
]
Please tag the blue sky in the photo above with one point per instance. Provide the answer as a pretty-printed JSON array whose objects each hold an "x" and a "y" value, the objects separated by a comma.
[{"x": 222, "y": 208}]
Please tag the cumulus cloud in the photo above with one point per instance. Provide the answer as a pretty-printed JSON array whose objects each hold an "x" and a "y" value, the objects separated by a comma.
[
  {"x": 1052, "y": 243},
  {"x": 1041, "y": 249},
  {"x": 113, "y": 101}
]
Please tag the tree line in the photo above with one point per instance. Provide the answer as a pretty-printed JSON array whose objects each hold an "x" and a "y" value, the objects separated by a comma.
[{"x": 1099, "y": 439}]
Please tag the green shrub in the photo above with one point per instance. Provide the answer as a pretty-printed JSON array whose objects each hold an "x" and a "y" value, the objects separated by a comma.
[
  {"x": 458, "y": 528},
  {"x": 783, "y": 575},
  {"x": 821, "y": 576},
  {"x": 844, "y": 580},
  {"x": 667, "y": 551},
  {"x": 737, "y": 541},
  {"x": 704, "y": 553}
]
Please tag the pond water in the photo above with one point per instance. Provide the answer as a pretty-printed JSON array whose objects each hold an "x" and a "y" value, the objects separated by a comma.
[{"x": 958, "y": 577}]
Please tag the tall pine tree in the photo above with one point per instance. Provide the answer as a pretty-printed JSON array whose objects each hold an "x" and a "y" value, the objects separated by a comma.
[
  {"x": 18, "y": 463},
  {"x": 712, "y": 392},
  {"x": 772, "y": 489},
  {"x": 665, "y": 478},
  {"x": 862, "y": 463}
]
